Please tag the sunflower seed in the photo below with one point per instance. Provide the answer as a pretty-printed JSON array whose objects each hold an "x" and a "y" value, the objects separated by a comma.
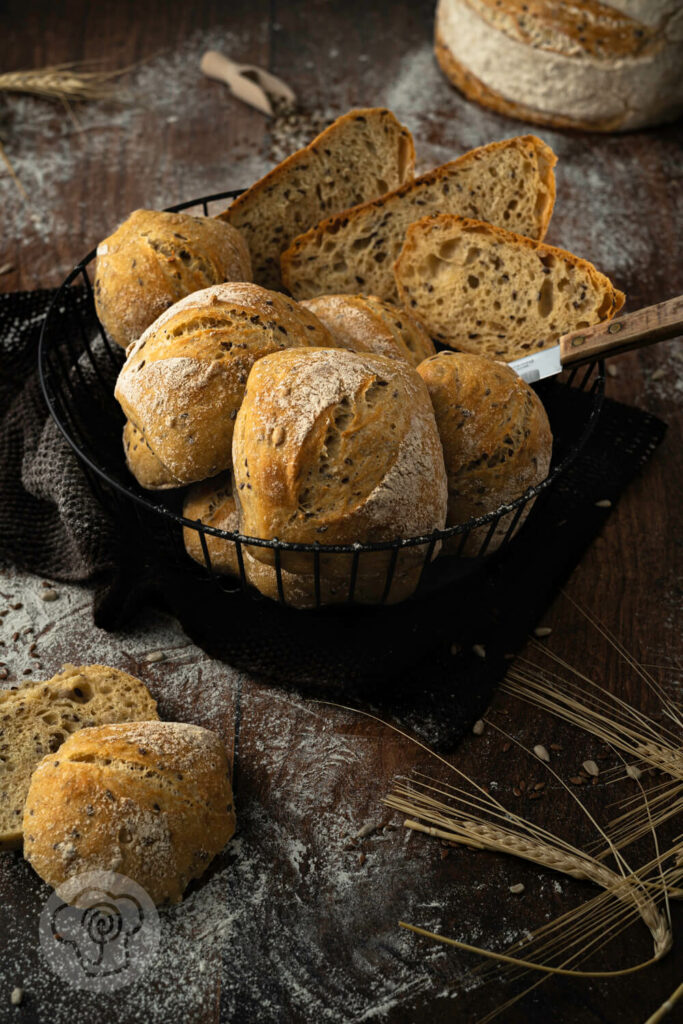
[
  {"x": 49, "y": 595},
  {"x": 591, "y": 768},
  {"x": 478, "y": 727},
  {"x": 479, "y": 650},
  {"x": 540, "y": 751},
  {"x": 155, "y": 656},
  {"x": 519, "y": 887},
  {"x": 603, "y": 503},
  {"x": 366, "y": 830},
  {"x": 542, "y": 631},
  {"x": 16, "y": 996}
]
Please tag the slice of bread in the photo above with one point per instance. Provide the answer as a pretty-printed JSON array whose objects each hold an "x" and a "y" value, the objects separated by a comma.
[
  {"x": 359, "y": 156},
  {"x": 36, "y": 718},
  {"x": 481, "y": 289},
  {"x": 509, "y": 183}
]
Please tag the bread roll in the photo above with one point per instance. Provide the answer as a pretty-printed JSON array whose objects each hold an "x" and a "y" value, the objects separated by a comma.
[
  {"x": 481, "y": 289},
  {"x": 153, "y": 259},
  {"x": 143, "y": 463},
  {"x": 495, "y": 435},
  {"x": 364, "y": 323},
  {"x": 337, "y": 447},
  {"x": 36, "y": 718},
  {"x": 213, "y": 503},
  {"x": 600, "y": 66},
  {"x": 183, "y": 381},
  {"x": 150, "y": 800}
]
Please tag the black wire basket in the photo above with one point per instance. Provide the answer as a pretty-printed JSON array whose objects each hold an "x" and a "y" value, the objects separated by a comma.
[{"x": 78, "y": 366}]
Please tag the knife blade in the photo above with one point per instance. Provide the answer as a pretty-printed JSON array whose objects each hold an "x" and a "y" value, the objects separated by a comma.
[{"x": 611, "y": 338}]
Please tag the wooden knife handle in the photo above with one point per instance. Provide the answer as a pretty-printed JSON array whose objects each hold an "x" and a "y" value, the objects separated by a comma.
[{"x": 635, "y": 330}]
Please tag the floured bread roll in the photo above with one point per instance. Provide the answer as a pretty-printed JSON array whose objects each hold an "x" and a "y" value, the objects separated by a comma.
[
  {"x": 213, "y": 503},
  {"x": 143, "y": 463},
  {"x": 607, "y": 66},
  {"x": 495, "y": 435},
  {"x": 364, "y": 323},
  {"x": 337, "y": 447},
  {"x": 183, "y": 381},
  {"x": 150, "y": 800},
  {"x": 153, "y": 259}
]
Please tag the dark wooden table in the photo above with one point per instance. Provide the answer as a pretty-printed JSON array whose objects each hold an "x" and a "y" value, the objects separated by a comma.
[{"x": 298, "y": 921}]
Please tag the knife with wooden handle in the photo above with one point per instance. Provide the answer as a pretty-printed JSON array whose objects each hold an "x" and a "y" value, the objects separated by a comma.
[{"x": 635, "y": 330}]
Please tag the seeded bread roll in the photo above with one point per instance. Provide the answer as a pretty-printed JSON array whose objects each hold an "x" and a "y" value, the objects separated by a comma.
[
  {"x": 359, "y": 156},
  {"x": 153, "y": 259},
  {"x": 183, "y": 381},
  {"x": 337, "y": 447},
  {"x": 609, "y": 66},
  {"x": 150, "y": 800},
  {"x": 509, "y": 183},
  {"x": 36, "y": 718},
  {"x": 363, "y": 323},
  {"x": 214, "y": 504},
  {"x": 495, "y": 435},
  {"x": 143, "y": 463},
  {"x": 484, "y": 290}
]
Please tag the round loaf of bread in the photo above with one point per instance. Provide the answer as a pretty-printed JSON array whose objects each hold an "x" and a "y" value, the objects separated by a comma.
[
  {"x": 213, "y": 503},
  {"x": 153, "y": 259},
  {"x": 599, "y": 66},
  {"x": 143, "y": 463},
  {"x": 364, "y": 323},
  {"x": 337, "y": 447},
  {"x": 183, "y": 381},
  {"x": 495, "y": 435},
  {"x": 150, "y": 800}
]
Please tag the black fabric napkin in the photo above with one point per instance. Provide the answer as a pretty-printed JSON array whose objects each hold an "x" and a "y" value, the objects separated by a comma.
[{"x": 412, "y": 662}]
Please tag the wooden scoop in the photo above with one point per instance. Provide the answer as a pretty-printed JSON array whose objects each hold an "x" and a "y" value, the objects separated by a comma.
[{"x": 235, "y": 76}]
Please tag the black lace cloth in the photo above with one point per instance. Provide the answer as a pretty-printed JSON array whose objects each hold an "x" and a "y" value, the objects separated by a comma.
[{"x": 51, "y": 524}]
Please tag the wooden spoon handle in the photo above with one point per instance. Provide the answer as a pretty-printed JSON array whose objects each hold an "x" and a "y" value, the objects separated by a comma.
[{"x": 635, "y": 330}]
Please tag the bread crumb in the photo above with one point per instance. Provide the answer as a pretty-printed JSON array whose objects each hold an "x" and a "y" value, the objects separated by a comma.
[{"x": 16, "y": 996}]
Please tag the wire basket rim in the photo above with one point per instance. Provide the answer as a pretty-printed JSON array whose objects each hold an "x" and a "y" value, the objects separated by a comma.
[{"x": 431, "y": 538}]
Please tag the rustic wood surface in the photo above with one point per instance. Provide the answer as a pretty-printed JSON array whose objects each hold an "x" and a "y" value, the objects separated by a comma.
[{"x": 298, "y": 921}]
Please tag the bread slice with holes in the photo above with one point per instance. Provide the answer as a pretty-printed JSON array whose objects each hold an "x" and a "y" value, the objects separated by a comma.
[
  {"x": 359, "y": 156},
  {"x": 509, "y": 183},
  {"x": 36, "y": 718},
  {"x": 481, "y": 289}
]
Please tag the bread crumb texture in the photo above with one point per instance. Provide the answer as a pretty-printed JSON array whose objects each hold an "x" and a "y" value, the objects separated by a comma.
[
  {"x": 510, "y": 183},
  {"x": 150, "y": 800},
  {"x": 362, "y": 154},
  {"x": 484, "y": 290},
  {"x": 36, "y": 718}
]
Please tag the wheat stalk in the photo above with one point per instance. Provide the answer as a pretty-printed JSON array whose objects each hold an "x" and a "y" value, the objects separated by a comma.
[{"x": 65, "y": 82}]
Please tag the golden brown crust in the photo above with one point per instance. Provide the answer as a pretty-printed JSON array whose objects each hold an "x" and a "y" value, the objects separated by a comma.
[
  {"x": 153, "y": 259},
  {"x": 213, "y": 503},
  {"x": 183, "y": 381},
  {"x": 365, "y": 323},
  {"x": 149, "y": 472},
  {"x": 150, "y": 800},
  {"x": 495, "y": 434},
  {"x": 474, "y": 89}
]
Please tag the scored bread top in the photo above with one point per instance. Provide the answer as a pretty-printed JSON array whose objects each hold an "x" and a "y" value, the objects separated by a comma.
[
  {"x": 183, "y": 381},
  {"x": 363, "y": 323},
  {"x": 494, "y": 430},
  {"x": 37, "y": 717},
  {"x": 509, "y": 183},
  {"x": 151, "y": 800},
  {"x": 363, "y": 154},
  {"x": 336, "y": 447},
  {"x": 155, "y": 258},
  {"x": 481, "y": 289}
]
